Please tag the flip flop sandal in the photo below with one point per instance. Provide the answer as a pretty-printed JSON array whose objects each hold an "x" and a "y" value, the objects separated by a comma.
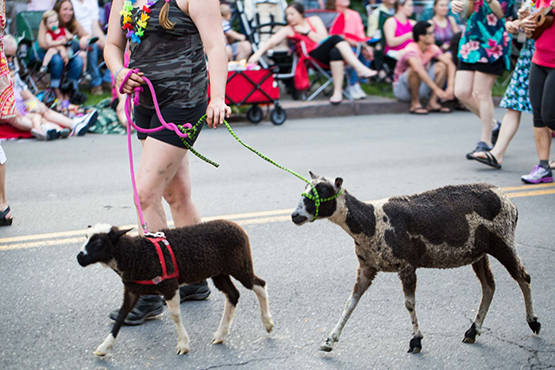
[
  {"x": 420, "y": 111},
  {"x": 4, "y": 221},
  {"x": 480, "y": 147},
  {"x": 445, "y": 110},
  {"x": 490, "y": 160}
]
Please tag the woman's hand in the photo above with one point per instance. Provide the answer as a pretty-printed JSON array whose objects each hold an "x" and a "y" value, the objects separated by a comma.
[
  {"x": 528, "y": 25},
  {"x": 216, "y": 112},
  {"x": 254, "y": 58},
  {"x": 132, "y": 82},
  {"x": 523, "y": 12},
  {"x": 457, "y": 6},
  {"x": 512, "y": 27}
]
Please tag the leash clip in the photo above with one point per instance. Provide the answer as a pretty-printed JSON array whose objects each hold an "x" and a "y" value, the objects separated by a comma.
[{"x": 158, "y": 234}]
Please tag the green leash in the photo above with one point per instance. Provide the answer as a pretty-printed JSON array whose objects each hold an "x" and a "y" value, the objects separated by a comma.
[{"x": 314, "y": 196}]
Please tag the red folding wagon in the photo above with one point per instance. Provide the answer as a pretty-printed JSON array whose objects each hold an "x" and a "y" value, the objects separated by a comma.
[{"x": 255, "y": 87}]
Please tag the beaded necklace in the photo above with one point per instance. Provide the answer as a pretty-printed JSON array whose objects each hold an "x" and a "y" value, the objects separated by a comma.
[{"x": 134, "y": 33}]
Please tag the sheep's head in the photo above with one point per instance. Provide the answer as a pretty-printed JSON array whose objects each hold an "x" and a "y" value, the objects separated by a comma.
[
  {"x": 308, "y": 209},
  {"x": 98, "y": 247}
]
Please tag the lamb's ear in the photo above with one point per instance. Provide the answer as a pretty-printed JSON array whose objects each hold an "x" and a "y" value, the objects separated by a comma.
[
  {"x": 338, "y": 182},
  {"x": 312, "y": 176},
  {"x": 116, "y": 233}
]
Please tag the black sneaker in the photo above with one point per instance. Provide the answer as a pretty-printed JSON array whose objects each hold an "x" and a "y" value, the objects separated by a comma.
[
  {"x": 148, "y": 307},
  {"x": 495, "y": 132},
  {"x": 194, "y": 292}
]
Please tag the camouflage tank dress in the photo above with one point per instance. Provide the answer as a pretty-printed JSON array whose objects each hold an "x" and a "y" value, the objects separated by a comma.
[{"x": 175, "y": 63}]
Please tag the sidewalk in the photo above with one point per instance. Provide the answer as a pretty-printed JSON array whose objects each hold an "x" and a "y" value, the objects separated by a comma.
[
  {"x": 297, "y": 109},
  {"x": 322, "y": 108}
]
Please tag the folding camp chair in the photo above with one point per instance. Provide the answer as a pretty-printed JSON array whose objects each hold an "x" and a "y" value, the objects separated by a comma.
[{"x": 321, "y": 74}]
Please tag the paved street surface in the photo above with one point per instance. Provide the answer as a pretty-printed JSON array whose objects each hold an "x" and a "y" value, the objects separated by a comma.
[{"x": 55, "y": 313}]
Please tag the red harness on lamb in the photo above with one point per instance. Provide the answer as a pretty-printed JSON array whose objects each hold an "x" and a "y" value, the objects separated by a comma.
[{"x": 156, "y": 239}]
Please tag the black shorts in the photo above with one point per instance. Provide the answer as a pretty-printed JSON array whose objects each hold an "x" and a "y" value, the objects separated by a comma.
[
  {"x": 496, "y": 68},
  {"x": 148, "y": 119}
]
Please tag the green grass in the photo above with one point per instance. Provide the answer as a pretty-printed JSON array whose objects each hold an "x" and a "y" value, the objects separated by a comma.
[
  {"x": 379, "y": 89},
  {"x": 95, "y": 99}
]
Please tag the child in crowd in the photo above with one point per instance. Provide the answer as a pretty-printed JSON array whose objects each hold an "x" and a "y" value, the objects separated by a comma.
[
  {"x": 237, "y": 48},
  {"x": 32, "y": 115},
  {"x": 61, "y": 37}
]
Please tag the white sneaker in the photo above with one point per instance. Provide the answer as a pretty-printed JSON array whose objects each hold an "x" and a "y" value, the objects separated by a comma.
[
  {"x": 361, "y": 93},
  {"x": 82, "y": 124},
  {"x": 353, "y": 92}
]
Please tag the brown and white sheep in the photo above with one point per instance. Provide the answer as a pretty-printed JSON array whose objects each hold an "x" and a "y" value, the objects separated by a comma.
[
  {"x": 443, "y": 228},
  {"x": 217, "y": 249}
]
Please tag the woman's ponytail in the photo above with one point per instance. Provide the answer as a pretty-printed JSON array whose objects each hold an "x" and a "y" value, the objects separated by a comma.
[{"x": 164, "y": 19}]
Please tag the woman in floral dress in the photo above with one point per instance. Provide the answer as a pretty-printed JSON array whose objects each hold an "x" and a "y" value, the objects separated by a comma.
[
  {"x": 483, "y": 56},
  {"x": 516, "y": 99}
]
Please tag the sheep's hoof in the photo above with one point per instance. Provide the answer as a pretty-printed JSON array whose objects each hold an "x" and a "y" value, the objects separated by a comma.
[
  {"x": 327, "y": 346},
  {"x": 99, "y": 353},
  {"x": 535, "y": 325},
  {"x": 415, "y": 345},
  {"x": 269, "y": 325},
  {"x": 470, "y": 335},
  {"x": 182, "y": 349},
  {"x": 218, "y": 338}
]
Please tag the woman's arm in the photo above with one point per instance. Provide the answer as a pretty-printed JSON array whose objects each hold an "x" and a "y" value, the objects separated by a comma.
[
  {"x": 495, "y": 8},
  {"x": 206, "y": 16},
  {"x": 276, "y": 38},
  {"x": 454, "y": 26},
  {"x": 389, "y": 32},
  {"x": 113, "y": 51},
  {"x": 321, "y": 32}
]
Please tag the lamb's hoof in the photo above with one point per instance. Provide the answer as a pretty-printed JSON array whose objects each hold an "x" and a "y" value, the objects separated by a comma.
[
  {"x": 218, "y": 338},
  {"x": 470, "y": 335},
  {"x": 99, "y": 353},
  {"x": 327, "y": 346},
  {"x": 415, "y": 345},
  {"x": 182, "y": 349},
  {"x": 269, "y": 325},
  {"x": 535, "y": 325}
]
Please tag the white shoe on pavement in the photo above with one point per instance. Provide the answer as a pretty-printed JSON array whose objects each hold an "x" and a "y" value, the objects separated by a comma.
[
  {"x": 353, "y": 92},
  {"x": 358, "y": 89}
]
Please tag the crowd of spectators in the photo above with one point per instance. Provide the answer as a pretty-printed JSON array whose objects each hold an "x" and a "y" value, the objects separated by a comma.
[{"x": 440, "y": 52}]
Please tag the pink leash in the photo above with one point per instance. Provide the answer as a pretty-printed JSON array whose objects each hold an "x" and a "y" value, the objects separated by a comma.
[{"x": 170, "y": 126}]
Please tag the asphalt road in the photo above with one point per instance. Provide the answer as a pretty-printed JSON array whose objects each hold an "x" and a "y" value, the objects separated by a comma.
[{"x": 54, "y": 313}]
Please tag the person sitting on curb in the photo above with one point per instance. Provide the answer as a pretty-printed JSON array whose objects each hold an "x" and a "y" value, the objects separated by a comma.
[
  {"x": 416, "y": 77},
  {"x": 238, "y": 47},
  {"x": 35, "y": 116}
]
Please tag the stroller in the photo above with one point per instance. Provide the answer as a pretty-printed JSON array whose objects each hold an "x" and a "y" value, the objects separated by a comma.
[{"x": 260, "y": 19}]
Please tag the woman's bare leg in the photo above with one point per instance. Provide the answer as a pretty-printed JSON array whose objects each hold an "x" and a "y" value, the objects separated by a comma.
[
  {"x": 464, "y": 86},
  {"x": 337, "y": 72},
  {"x": 159, "y": 164},
  {"x": 509, "y": 126},
  {"x": 350, "y": 58},
  {"x": 178, "y": 195},
  {"x": 483, "y": 85}
]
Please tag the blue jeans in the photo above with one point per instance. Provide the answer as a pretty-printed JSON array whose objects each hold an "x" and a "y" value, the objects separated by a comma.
[
  {"x": 56, "y": 69},
  {"x": 352, "y": 77},
  {"x": 93, "y": 70}
]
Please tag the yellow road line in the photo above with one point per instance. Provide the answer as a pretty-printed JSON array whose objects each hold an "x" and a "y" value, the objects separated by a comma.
[
  {"x": 530, "y": 193},
  {"x": 529, "y": 187},
  {"x": 248, "y": 218}
]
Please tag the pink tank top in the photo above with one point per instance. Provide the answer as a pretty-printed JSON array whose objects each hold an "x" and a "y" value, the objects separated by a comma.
[
  {"x": 545, "y": 44},
  {"x": 400, "y": 29}
]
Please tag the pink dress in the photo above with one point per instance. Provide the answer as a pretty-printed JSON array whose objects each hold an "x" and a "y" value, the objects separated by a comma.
[{"x": 400, "y": 29}]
